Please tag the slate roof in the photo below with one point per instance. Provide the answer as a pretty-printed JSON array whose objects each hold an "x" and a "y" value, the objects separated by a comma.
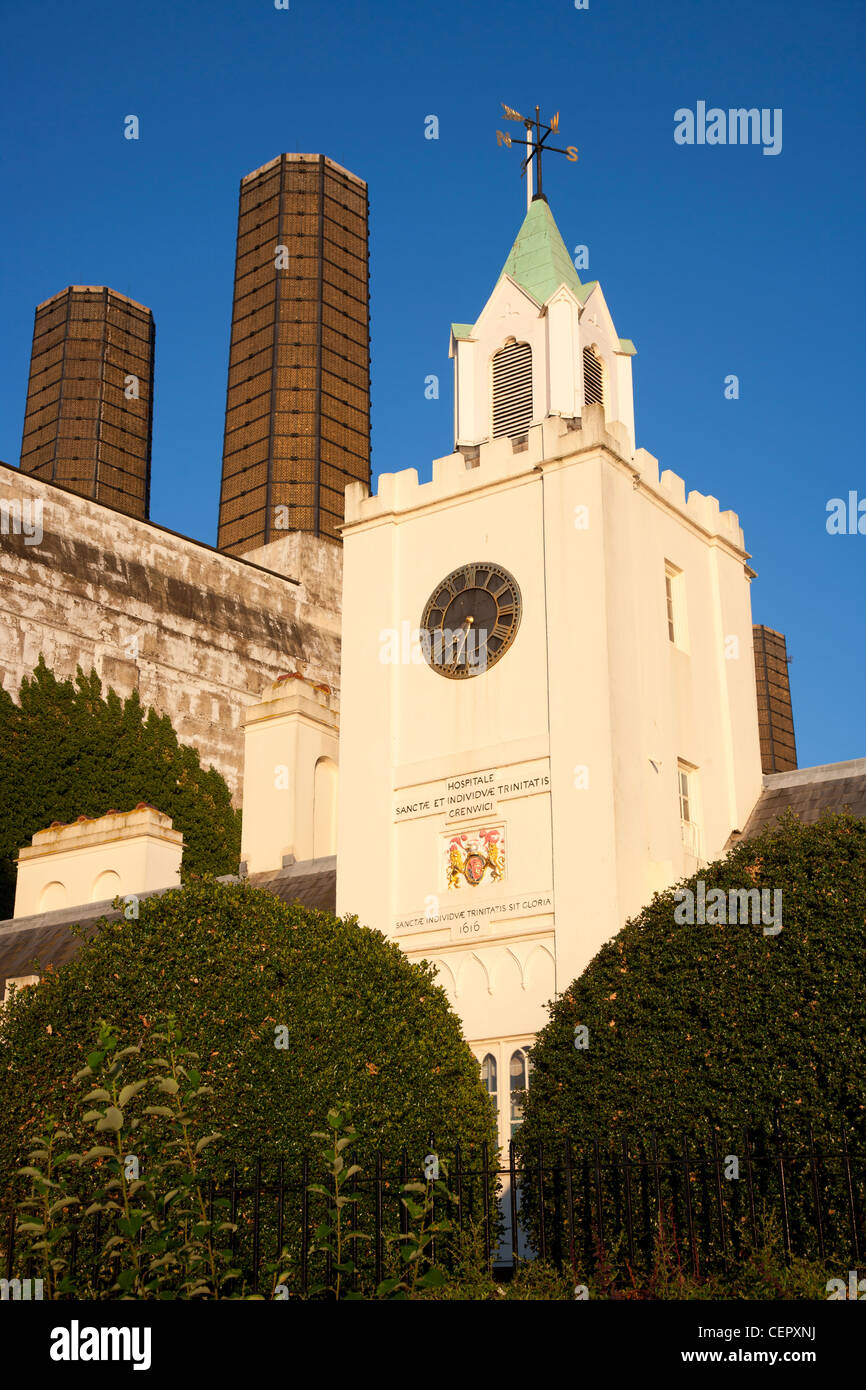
[
  {"x": 313, "y": 884},
  {"x": 29, "y": 944},
  {"x": 808, "y": 792}
]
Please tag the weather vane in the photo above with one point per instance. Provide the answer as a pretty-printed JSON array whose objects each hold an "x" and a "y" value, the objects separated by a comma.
[{"x": 536, "y": 136}]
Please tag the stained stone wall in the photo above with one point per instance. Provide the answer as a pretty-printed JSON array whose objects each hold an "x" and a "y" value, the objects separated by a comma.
[{"x": 198, "y": 633}]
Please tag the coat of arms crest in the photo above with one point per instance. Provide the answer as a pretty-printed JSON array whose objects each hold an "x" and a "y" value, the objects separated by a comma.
[{"x": 475, "y": 856}]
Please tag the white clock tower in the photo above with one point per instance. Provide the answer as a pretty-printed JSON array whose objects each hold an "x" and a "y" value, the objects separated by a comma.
[{"x": 548, "y": 692}]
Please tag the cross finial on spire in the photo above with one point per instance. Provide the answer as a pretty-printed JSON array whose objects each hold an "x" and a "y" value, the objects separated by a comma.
[{"x": 536, "y": 136}]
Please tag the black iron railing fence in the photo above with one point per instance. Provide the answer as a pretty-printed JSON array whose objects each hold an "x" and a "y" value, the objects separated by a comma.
[
  {"x": 581, "y": 1205},
  {"x": 706, "y": 1204}
]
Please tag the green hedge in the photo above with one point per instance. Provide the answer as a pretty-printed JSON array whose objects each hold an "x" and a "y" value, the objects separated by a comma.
[
  {"x": 698, "y": 1032},
  {"x": 364, "y": 1026},
  {"x": 711, "y": 1024}
]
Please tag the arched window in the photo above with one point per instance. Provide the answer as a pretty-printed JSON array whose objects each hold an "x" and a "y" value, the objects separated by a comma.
[
  {"x": 593, "y": 377},
  {"x": 518, "y": 1082},
  {"x": 488, "y": 1076},
  {"x": 106, "y": 885},
  {"x": 512, "y": 389},
  {"x": 52, "y": 897}
]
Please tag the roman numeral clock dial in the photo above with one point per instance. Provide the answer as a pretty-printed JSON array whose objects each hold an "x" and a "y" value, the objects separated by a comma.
[{"x": 470, "y": 620}]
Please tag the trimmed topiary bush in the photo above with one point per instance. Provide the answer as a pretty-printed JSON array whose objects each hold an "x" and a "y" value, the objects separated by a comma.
[
  {"x": 672, "y": 1070},
  {"x": 293, "y": 1011},
  {"x": 719, "y": 1023}
]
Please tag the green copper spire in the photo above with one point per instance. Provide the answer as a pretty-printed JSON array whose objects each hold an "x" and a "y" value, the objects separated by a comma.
[{"x": 538, "y": 260}]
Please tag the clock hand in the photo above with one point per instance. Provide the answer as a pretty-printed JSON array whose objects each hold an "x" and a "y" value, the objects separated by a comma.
[{"x": 467, "y": 624}]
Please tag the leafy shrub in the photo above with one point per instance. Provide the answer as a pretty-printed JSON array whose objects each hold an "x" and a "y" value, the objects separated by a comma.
[
  {"x": 339, "y": 1233},
  {"x": 148, "y": 1230},
  {"x": 136, "y": 1217}
]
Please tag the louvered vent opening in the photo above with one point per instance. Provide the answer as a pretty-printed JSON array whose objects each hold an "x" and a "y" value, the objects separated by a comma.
[
  {"x": 512, "y": 390},
  {"x": 593, "y": 378}
]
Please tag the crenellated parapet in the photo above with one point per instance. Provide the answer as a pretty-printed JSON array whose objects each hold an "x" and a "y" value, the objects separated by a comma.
[{"x": 554, "y": 442}]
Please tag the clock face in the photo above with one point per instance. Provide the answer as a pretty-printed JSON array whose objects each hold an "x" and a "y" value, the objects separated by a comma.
[{"x": 470, "y": 620}]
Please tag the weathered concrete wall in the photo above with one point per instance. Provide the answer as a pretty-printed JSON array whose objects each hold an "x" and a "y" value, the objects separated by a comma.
[
  {"x": 197, "y": 633},
  {"x": 316, "y": 561}
]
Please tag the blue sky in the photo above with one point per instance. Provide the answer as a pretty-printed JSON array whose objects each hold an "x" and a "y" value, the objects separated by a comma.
[{"x": 715, "y": 260}]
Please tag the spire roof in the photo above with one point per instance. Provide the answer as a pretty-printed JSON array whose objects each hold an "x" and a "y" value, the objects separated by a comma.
[{"x": 538, "y": 260}]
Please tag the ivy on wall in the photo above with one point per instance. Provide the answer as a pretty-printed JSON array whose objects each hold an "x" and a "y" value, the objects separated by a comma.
[{"x": 69, "y": 751}]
